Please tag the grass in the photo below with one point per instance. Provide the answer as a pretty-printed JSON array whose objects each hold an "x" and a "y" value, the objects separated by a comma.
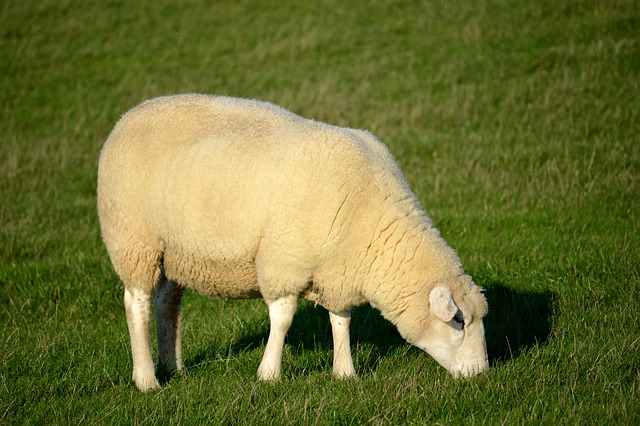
[{"x": 516, "y": 124}]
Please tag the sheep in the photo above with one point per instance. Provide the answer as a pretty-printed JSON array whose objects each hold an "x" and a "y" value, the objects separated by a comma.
[{"x": 236, "y": 198}]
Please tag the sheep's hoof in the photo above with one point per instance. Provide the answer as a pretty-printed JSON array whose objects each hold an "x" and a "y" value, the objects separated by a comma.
[
  {"x": 146, "y": 384},
  {"x": 344, "y": 375},
  {"x": 268, "y": 376},
  {"x": 164, "y": 373}
]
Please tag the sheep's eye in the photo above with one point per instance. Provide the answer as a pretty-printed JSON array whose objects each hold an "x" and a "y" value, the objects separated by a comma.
[{"x": 459, "y": 319}]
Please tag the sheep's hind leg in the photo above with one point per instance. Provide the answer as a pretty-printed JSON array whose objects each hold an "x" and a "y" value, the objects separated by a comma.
[
  {"x": 342, "y": 361},
  {"x": 138, "y": 309},
  {"x": 281, "y": 313},
  {"x": 167, "y": 298}
]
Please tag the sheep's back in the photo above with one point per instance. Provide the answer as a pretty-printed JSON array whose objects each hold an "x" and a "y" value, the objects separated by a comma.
[{"x": 208, "y": 181}]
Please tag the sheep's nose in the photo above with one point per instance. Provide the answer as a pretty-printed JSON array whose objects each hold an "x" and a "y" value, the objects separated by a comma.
[{"x": 471, "y": 370}]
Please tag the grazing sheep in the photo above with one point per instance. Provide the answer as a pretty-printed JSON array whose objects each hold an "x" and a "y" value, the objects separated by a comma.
[{"x": 238, "y": 198}]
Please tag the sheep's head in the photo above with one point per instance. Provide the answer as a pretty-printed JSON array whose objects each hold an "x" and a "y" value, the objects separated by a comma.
[{"x": 452, "y": 331}]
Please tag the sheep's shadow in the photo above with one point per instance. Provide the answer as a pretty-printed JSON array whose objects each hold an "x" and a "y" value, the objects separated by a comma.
[{"x": 516, "y": 321}]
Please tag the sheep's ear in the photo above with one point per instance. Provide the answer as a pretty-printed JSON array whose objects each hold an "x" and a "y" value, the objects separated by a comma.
[{"x": 442, "y": 303}]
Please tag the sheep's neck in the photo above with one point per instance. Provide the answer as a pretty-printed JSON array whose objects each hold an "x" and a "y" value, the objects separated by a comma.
[{"x": 408, "y": 258}]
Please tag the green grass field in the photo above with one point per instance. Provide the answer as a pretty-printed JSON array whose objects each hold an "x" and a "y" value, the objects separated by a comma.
[{"x": 516, "y": 123}]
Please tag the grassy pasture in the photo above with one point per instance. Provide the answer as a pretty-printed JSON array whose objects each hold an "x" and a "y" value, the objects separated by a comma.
[{"x": 516, "y": 123}]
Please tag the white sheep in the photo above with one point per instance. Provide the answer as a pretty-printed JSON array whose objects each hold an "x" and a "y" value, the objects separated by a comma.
[{"x": 237, "y": 198}]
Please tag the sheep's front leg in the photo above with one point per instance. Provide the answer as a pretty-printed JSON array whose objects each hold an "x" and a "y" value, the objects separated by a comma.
[
  {"x": 138, "y": 309},
  {"x": 342, "y": 361},
  {"x": 167, "y": 300},
  {"x": 281, "y": 313}
]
